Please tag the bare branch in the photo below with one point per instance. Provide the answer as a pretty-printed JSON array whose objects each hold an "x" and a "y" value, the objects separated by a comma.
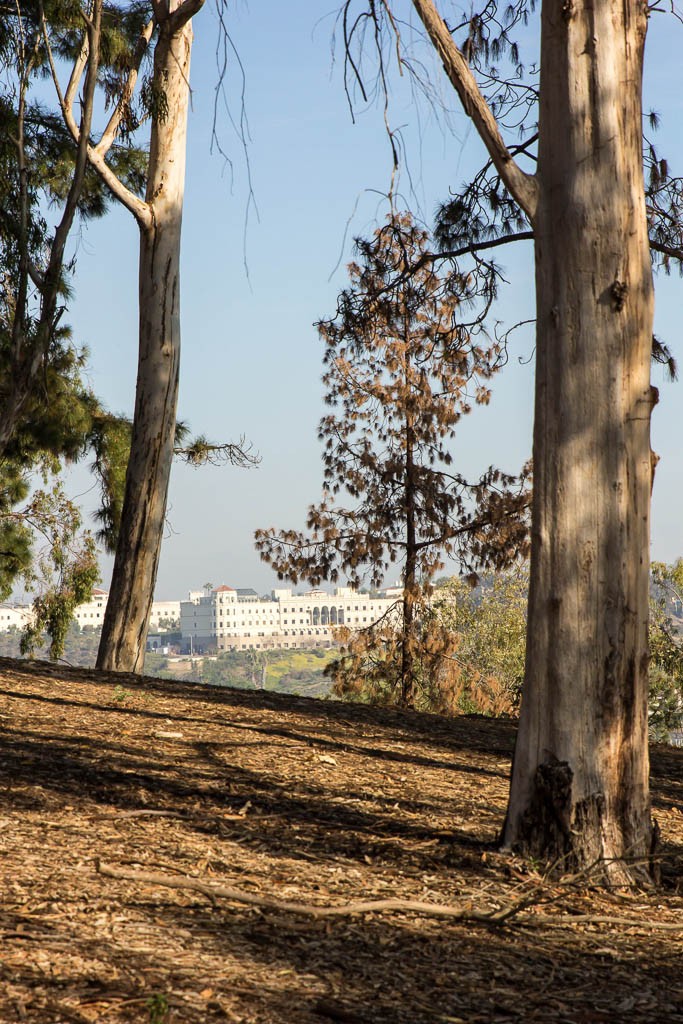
[
  {"x": 460, "y": 913},
  {"x": 473, "y": 247},
  {"x": 112, "y": 128},
  {"x": 667, "y": 250},
  {"x": 80, "y": 63},
  {"x": 182, "y": 14}
]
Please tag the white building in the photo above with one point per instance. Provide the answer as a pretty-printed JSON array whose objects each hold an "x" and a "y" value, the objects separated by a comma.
[
  {"x": 165, "y": 614},
  {"x": 13, "y": 616},
  {"x": 92, "y": 612},
  {"x": 230, "y": 619}
]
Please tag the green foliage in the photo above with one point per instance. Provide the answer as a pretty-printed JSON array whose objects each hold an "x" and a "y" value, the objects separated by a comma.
[
  {"x": 16, "y": 536},
  {"x": 295, "y": 671},
  {"x": 490, "y": 623},
  {"x": 468, "y": 653},
  {"x": 471, "y": 645},
  {"x": 65, "y": 573},
  {"x": 54, "y": 428},
  {"x": 110, "y": 444},
  {"x": 666, "y": 651},
  {"x": 158, "y": 1008},
  {"x": 153, "y": 98},
  {"x": 46, "y": 412}
]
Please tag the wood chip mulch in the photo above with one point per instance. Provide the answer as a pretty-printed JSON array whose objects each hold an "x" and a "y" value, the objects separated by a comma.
[{"x": 294, "y": 800}]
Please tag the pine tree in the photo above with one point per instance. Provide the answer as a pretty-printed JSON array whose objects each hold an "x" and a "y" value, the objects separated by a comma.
[
  {"x": 400, "y": 372},
  {"x": 48, "y": 417}
]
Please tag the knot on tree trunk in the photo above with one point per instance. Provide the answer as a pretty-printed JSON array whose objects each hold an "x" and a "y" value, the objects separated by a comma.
[
  {"x": 619, "y": 291},
  {"x": 547, "y": 822}
]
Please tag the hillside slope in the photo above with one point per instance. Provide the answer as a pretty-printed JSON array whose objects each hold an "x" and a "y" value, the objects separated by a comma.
[{"x": 296, "y": 800}]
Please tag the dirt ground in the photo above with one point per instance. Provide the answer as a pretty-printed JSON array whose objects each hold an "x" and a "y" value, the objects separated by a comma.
[{"x": 295, "y": 800}]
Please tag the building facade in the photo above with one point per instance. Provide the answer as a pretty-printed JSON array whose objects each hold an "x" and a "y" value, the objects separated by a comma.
[
  {"x": 164, "y": 614},
  {"x": 230, "y": 619},
  {"x": 92, "y": 612},
  {"x": 13, "y": 617}
]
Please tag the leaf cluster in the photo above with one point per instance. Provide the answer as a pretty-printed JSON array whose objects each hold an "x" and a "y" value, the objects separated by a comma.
[
  {"x": 65, "y": 572},
  {"x": 470, "y": 645}
]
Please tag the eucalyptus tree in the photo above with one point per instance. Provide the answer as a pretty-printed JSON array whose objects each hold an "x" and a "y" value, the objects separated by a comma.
[
  {"x": 575, "y": 184},
  {"x": 145, "y": 46}
]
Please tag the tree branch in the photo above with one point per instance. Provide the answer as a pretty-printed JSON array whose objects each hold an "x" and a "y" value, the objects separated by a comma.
[
  {"x": 67, "y": 101},
  {"x": 137, "y": 206},
  {"x": 112, "y": 128},
  {"x": 522, "y": 186},
  {"x": 667, "y": 250},
  {"x": 182, "y": 14},
  {"x": 464, "y": 913},
  {"x": 491, "y": 243},
  {"x": 82, "y": 133},
  {"x": 312, "y": 910}
]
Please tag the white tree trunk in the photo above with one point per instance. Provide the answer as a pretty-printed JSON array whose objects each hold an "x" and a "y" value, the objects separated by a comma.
[
  {"x": 124, "y": 630},
  {"x": 579, "y": 791}
]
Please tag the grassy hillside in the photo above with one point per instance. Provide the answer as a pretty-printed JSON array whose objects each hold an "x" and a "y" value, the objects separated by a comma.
[{"x": 283, "y": 671}]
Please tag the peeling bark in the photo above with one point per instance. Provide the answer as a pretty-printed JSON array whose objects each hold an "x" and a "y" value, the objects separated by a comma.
[{"x": 579, "y": 792}]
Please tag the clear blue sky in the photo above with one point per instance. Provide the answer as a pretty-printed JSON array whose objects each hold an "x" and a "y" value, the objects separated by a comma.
[{"x": 251, "y": 361}]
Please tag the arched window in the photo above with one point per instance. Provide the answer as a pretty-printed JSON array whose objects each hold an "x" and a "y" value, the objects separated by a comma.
[
  {"x": 316, "y": 616},
  {"x": 325, "y": 616},
  {"x": 333, "y": 616},
  {"x": 340, "y": 617}
]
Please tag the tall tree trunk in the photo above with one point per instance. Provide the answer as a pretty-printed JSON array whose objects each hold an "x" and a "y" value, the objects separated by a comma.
[
  {"x": 409, "y": 581},
  {"x": 408, "y": 636},
  {"x": 124, "y": 630},
  {"x": 579, "y": 792}
]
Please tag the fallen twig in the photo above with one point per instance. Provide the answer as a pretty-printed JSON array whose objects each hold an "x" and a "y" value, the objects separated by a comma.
[
  {"x": 313, "y": 910},
  {"x": 626, "y": 922},
  {"x": 141, "y": 813},
  {"x": 466, "y": 914}
]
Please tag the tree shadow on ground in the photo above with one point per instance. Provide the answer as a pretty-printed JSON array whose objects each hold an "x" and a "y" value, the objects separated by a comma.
[
  {"x": 490, "y": 735},
  {"x": 290, "y": 819},
  {"x": 400, "y": 805}
]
